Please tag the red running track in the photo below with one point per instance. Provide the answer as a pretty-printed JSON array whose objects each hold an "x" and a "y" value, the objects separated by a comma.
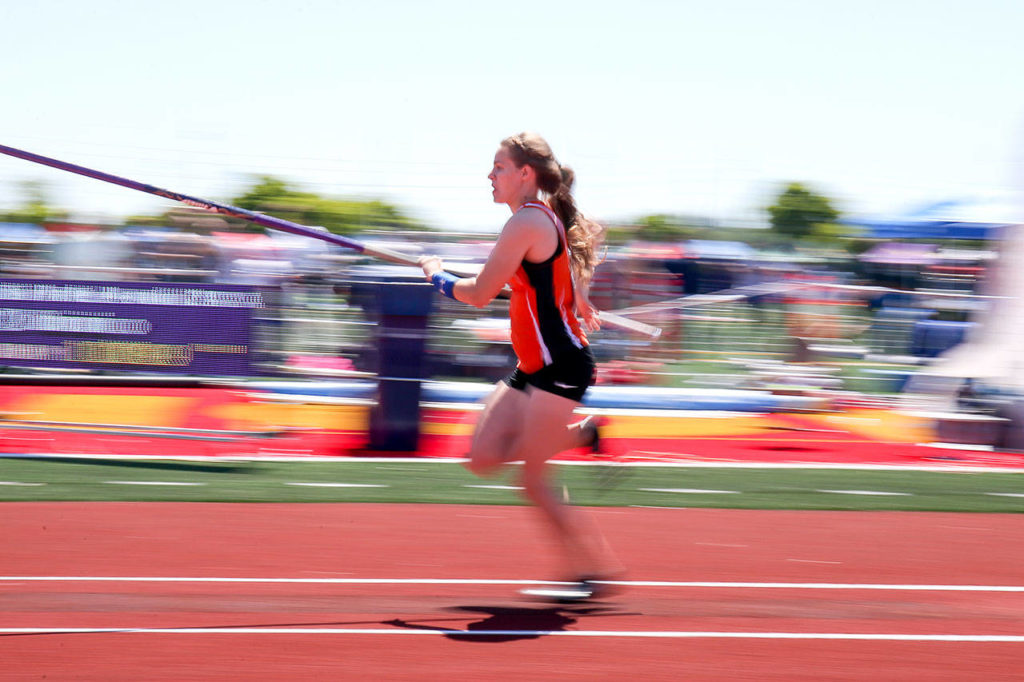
[{"x": 317, "y": 626}]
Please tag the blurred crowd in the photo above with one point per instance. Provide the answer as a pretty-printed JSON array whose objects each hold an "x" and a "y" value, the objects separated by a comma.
[
  {"x": 715, "y": 300},
  {"x": 159, "y": 254}
]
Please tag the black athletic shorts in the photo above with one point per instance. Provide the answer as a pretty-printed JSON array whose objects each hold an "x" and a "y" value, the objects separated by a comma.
[{"x": 568, "y": 376}]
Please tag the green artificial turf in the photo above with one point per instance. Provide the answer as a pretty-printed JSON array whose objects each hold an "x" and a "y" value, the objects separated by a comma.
[{"x": 448, "y": 483}]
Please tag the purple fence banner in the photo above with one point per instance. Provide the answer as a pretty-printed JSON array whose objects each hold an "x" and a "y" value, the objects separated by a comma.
[{"x": 193, "y": 329}]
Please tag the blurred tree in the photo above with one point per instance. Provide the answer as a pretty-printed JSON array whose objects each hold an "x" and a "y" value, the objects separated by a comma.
[
  {"x": 660, "y": 227},
  {"x": 35, "y": 205},
  {"x": 759, "y": 238},
  {"x": 798, "y": 213},
  {"x": 277, "y": 198},
  {"x": 274, "y": 196}
]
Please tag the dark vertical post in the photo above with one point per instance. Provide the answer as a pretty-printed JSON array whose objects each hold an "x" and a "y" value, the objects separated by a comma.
[{"x": 403, "y": 309}]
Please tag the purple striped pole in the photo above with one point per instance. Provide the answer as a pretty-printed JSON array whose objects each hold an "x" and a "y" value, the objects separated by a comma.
[{"x": 214, "y": 207}]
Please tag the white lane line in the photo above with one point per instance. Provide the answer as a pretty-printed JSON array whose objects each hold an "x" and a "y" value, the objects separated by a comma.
[
  {"x": 660, "y": 634},
  {"x": 719, "y": 544},
  {"x": 1006, "y": 494},
  {"x": 338, "y": 485},
  {"x": 19, "y": 483},
  {"x": 864, "y": 492},
  {"x": 494, "y": 487},
  {"x": 326, "y": 581},
  {"x": 967, "y": 447},
  {"x": 689, "y": 491},
  {"x": 178, "y": 483},
  {"x": 943, "y": 468},
  {"x": 483, "y": 581},
  {"x": 648, "y": 506}
]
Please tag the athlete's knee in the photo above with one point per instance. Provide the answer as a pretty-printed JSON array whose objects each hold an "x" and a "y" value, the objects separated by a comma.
[{"x": 485, "y": 461}]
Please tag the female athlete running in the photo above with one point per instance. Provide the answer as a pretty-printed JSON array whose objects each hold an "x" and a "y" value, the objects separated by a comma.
[{"x": 546, "y": 254}]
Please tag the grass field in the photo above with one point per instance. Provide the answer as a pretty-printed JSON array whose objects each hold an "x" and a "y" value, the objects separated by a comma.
[{"x": 65, "y": 479}]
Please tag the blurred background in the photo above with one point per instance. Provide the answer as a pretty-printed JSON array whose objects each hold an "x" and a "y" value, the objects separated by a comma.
[
  {"x": 870, "y": 301},
  {"x": 809, "y": 199}
]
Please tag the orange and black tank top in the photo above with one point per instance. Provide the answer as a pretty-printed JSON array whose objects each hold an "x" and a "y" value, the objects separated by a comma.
[{"x": 544, "y": 324}]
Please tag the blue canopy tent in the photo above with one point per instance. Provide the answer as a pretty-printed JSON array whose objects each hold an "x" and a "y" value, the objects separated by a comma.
[
  {"x": 714, "y": 249},
  {"x": 975, "y": 219}
]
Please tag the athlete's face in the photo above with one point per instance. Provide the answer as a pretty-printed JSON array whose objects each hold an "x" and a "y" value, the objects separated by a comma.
[{"x": 506, "y": 178}]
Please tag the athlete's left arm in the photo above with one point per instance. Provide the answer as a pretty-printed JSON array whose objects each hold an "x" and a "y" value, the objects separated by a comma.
[{"x": 585, "y": 310}]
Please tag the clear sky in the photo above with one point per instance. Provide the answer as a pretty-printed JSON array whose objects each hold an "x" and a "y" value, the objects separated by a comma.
[{"x": 699, "y": 107}]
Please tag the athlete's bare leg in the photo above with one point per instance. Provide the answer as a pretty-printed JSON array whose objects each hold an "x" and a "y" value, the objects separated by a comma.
[
  {"x": 543, "y": 435},
  {"x": 497, "y": 428},
  {"x": 531, "y": 426},
  {"x": 502, "y": 421}
]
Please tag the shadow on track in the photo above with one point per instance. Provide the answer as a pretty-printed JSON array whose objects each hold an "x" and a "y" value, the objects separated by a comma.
[{"x": 512, "y": 623}]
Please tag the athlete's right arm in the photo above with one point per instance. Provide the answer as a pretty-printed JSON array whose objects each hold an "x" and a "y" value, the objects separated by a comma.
[{"x": 515, "y": 239}]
